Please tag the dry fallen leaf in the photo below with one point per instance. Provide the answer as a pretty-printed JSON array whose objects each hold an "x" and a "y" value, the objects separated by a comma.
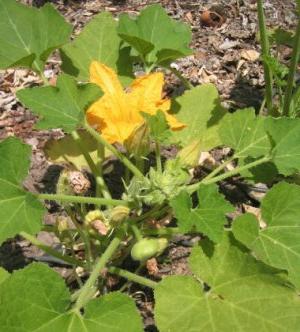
[{"x": 250, "y": 55}]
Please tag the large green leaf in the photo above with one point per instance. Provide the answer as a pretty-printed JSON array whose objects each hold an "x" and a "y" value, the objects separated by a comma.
[
  {"x": 62, "y": 106},
  {"x": 200, "y": 109},
  {"x": 3, "y": 275},
  {"x": 278, "y": 243},
  {"x": 245, "y": 133},
  {"x": 208, "y": 217},
  {"x": 66, "y": 150},
  {"x": 285, "y": 133},
  {"x": 36, "y": 299},
  {"x": 98, "y": 41},
  {"x": 19, "y": 210},
  {"x": 242, "y": 294},
  {"x": 157, "y": 37},
  {"x": 29, "y": 35}
]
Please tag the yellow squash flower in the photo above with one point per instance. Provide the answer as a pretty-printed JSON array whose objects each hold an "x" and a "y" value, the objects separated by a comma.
[{"x": 117, "y": 114}]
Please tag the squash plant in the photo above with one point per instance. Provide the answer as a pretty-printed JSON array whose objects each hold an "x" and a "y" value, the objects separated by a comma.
[{"x": 244, "y": 276}]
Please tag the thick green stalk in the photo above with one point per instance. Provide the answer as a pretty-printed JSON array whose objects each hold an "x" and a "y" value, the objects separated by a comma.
[
  {"x": 100, "y": 184},
  {"x": 264, "y": 41},
  {"x": 185, "y": 82},
  {"x": 237, "y": 170},
  {"x": 81, "y": 199},
  {"x": 88, "y": 290},
  {"x": 218, "y": 169},
  {"x": 162, "y": 231},
  {"x": 118, "y": 154},
  {"x": 158, "y": 157},
  {"x": 50, "y": 251},
  {"x": 292, "y": 72},
  {"x": 132, "y": 277}
]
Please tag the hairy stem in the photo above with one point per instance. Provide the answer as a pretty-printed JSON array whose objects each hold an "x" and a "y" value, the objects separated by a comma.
[
  {"x": 50, "y": 251},
  {"x": 264, "y": 41},
  {"x": 88, "y": 290},
  {"x": 132, "y": 277},
  {"x": 158, "y": 157},
  {"x": 100, "y": 184},
  {"x": 292, "y": 71},
  {"x": 118, "y": 154},
  {"x": 81, "y": 199},
  {"x": 237, "y": 170},
  {"x": 162, "y": 231},
  {"x": 185, "y": 82}
]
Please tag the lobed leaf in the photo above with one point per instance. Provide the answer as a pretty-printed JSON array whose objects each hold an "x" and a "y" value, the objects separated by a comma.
[
  {"x": 245, "y": 132},
  {"x": 278, "y": 243},
  {"x": 98, "y": 41},
  {"x": 19, "y": 209},
  {"x": 45, "y": 303},
  {"x": 285, "y": 134},
  {"x": 153, "y": 34},
  {"x": 208, "y": 217},
  {"x": 200, "y": 109},
  {"x": 244, "y": 294},
  {"x": 29, "y": 35},
  {"x": 62, "y": 106}
]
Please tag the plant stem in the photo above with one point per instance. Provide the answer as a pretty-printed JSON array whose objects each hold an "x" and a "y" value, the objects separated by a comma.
[
  {"x": 185, "y": 82},
  {"x": 88, "y": 290},
  {"x": 84, "y": 236},
  {"x": 158, "y": 157},
  {"x": 118, "y": 154},
  {"x": 237, "y": 170},
  {"x": 132, "y": 277},
  {"x": 50, "y": 250},
  {"x": 100, "y": 184},
  {"x": 162, "y": 231},
  {"x": 292, "y": 71},
  {"x": 81, "y": 199},
  {"x": 218, "y": 169},
  {"x": 264, "y": 41},
  {"x": 136, "y": 232}
]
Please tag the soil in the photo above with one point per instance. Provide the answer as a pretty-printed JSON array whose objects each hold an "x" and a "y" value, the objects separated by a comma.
[{"x": 219, "y": 46}]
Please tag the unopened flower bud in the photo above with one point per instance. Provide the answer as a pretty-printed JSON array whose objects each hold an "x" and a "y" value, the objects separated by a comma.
[
  {"x": 119, "y": 214},
  {"x": 93, "y": 215},
  {"x": 62, "y": 224}
]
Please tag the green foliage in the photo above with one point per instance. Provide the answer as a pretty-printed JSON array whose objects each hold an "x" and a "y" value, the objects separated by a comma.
[
  {"x": 158, "y": 125},
  {"x": 277, "y": 243},
  {"x": 65, "y": 150},
  {"x": 98, "y": 41},
  {"x": 245, "y": 133},
  {"x": 200, "y": 109},
  {"x": 45, "y": 301},
  {"x": 285, "y": 135},
  {"x": 208, "y": 217},
  {"x": 243, "y": 295},
  {"x": 231, "y": 287},
  {"x": 3, "y": 275},
  {"x": 19, "y": 209},
  {"x": 62, "y": 106},
  {"x": 29, "y": 35},
  {"x": 155, "y": 36}
]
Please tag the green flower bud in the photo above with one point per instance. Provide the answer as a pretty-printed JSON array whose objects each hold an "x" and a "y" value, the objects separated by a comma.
[
  {"x": 119, "y": 214},
  {"x": 61, "y": 224},
  {"x": 93, "y": 215}
]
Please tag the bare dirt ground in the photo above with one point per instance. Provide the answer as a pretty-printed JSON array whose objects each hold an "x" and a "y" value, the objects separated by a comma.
[{"x": 226, "y": 54}]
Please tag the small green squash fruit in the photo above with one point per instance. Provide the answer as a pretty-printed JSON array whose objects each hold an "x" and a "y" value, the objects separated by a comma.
[{"x": 147, "y": 248}]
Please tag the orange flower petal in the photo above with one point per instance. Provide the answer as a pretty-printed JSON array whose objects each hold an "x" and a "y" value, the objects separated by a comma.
[{"x": 105, "y": 78}]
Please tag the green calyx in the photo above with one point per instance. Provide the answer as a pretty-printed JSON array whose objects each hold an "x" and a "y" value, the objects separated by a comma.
[{"x": 147, "y": 248}]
